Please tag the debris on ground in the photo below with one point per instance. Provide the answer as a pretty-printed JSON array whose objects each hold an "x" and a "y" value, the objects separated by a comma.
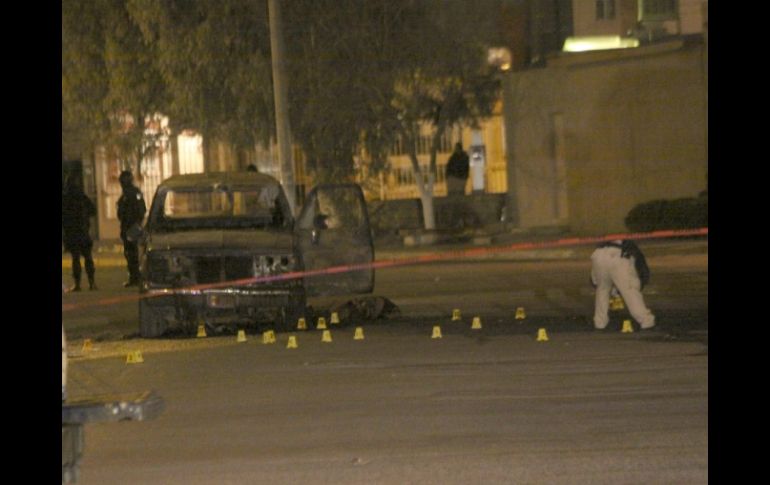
[{"x": 366, "y": 308}]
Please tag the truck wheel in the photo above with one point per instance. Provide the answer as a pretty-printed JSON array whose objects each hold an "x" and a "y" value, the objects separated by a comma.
[
  {"x": 290, "y": 314},
  {"x": 152, "y": 323}
]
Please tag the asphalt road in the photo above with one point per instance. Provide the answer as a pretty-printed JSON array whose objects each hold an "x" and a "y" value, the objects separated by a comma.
[{"x": 477, "y": 406}]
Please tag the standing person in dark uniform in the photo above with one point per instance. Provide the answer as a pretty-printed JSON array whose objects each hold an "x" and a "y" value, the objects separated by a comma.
[
  {"x": 131, "y": 210},
  {"x": 76, "y": 212},
  {"x": 457, "y": 168}
]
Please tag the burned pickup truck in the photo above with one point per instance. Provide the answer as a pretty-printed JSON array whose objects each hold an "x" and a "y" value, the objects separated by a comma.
[{"x": 224, "y": 250}]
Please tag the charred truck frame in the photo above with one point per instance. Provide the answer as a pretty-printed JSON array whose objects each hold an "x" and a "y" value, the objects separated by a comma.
[{"x": 223, "y": 249}]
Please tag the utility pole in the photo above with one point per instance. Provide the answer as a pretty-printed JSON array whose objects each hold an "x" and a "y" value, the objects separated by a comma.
[{"x": 280, "y": 97}]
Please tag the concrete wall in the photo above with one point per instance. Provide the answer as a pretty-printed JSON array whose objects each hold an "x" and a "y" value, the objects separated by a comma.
[
  {"x": 634, "y": 129},
  {"x": 532, "y": 99},
  {"x": 390, "y": 216},
  {"x": 692, "y": 15}
]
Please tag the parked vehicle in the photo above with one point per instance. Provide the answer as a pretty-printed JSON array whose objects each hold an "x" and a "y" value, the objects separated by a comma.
[{"x": 223, "y": 249}]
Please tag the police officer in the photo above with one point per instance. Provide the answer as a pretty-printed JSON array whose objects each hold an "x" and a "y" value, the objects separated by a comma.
[
  {"x": 76, "y": 212},
  {"x": 620, "y": 264},
  {"x": 131, "y": 210},
  {"x": 457, "y": 169}
]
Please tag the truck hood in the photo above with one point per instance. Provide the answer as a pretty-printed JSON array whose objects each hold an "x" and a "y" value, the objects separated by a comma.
[{"x": 253, "y": 240}]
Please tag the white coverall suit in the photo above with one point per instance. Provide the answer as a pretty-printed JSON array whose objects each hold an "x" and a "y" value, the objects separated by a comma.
[{"x": 610, "y": 269}]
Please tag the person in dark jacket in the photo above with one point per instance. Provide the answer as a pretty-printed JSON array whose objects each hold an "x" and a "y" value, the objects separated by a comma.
[
  {"x": 457, "y": 169},
  {"x": 76, "y": 212},
  {"x": 131, "y": 211},
  {"x": 620, "y": 264}
]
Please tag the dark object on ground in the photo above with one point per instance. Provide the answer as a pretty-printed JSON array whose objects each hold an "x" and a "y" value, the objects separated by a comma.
[
  {"x": 366, "y": 308},
  {"x": 76, "y": 413}
]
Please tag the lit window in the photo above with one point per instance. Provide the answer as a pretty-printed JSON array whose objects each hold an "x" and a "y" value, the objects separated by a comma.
[
  {"x": 441, "y": 175},
  {"x": 446, "y": 143},
  {"x": 599, "y": 42},
  {"x": 190, "y": 153},
  {"x": 659, "y": 9}
]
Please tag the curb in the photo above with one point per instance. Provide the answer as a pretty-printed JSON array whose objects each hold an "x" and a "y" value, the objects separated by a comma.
[
  {"x": 513, "y": 255},
  {"x": 99, "y": 262}
]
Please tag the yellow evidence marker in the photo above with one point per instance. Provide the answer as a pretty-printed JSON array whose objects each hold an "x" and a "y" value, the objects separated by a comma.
[
  {"x": 134, "y": 357},
  {"x": 627, "y": 328}
]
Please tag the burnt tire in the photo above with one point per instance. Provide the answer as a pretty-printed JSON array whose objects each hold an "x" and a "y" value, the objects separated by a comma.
[
  {"x": 290, "y": 314},
  {"x": 152, "y": 322}
]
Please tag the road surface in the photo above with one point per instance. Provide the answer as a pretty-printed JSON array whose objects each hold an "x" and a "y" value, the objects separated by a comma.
[{"x": 476, "y": 406}]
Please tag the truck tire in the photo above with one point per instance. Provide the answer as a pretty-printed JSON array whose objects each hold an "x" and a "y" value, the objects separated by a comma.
[
  {"x": 152, "y": 323},
  {"x": 290, "y": 314}
]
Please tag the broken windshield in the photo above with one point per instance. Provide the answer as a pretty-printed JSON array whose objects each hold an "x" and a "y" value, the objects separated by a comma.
[{"x": 221, "y": 208}]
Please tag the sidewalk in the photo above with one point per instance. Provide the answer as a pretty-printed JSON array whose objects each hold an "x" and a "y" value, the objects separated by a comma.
[
  {"x": 476, "y": 245},
  {"x": 107, "y": 254},
  {"x": 503, "y": 246}
]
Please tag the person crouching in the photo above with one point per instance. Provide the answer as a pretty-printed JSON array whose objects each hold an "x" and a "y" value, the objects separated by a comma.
[{"x": 620, "y": 264}]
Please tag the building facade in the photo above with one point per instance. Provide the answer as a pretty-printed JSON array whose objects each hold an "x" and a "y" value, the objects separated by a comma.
[
  {"x": 621, "y": 17},
  {"x": 576, "y": 140},
  {"x": 485, "y": 145},
  {"x": 595, "y": 133}
]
